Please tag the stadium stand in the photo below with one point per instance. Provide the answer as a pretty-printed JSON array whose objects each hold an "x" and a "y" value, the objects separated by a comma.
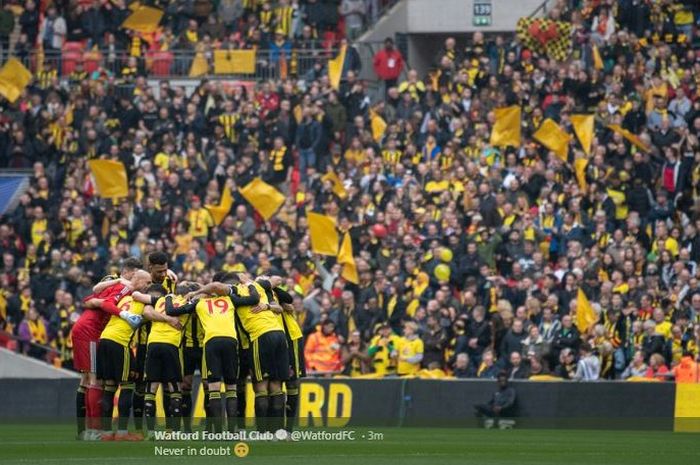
[{"x": 530, "y": 193}]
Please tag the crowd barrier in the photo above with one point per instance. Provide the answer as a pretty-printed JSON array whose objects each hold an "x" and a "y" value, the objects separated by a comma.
[{"x": 341, "y": 402}]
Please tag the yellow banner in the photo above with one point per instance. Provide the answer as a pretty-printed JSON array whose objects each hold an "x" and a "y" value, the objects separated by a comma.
[
  {"x": 219, "y": 212},
  {"x": 263, "y": 197},
  {"x": 144, "y": 19},
  {"x": 234, "y": 61},
  {"x": 335, "y": 68},
  {"x": 506, "y": 129},
  {"x": 552, "y": 136},
  {"x": 110, "y": 178},
  {"x": 585, "y": 315},
  {"x": 324, "y": 236},
  {"x": 583, "y": 127},
  {"x": 14, "y": 77},
  {"x": 629, "y": 136},
  {"x": 346, "y": 259}
]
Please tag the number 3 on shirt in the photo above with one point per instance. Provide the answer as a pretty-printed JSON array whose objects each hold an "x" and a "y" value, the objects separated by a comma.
[{"x": 220, "y": 304}]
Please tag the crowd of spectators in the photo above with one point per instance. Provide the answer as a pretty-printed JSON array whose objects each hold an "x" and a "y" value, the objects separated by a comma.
[
  {"x": 470, "y": 257},
  {"x": 91, "y": 31}
]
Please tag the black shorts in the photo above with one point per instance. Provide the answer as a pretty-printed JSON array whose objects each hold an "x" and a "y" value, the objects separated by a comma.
[
  {"x": 113, "y": 361},
  {"x": 297, "y": 365},
  {"x": 220, "y": 361},
  {"x": 163, "y": 363},
  {"x": 139, "y": 367},
  {"x": 270, "y": 357},
  {"x": 191, "y": 360},
  {"x": 243, "y": 365}
]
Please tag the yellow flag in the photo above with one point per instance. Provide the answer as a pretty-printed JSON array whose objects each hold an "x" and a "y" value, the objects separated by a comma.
[
  {"x": 234, "y": 61},
  {"x": 597, "y": 60},
  {"x": 506, "y": 129},
  {"x": 335, "y": 68},
  {"x": 378, "y": 126},
  {"x": 14, "y": 77},
  {"x": 552, "y": 136},
  {"x": 324, "y": 237},
  {"x": 629, "y": 136},
  {"x": 144, "y": 19},
  {"x": 110, "y": 178},
  {"x": 580, "y": 165},
  {"x": 219, "y": 212},
  {"x": 346, "y": 259},
  {"x": 583, "y": 127},
  {"x": 263, "y": 197},
  {"x": 199, "y": 67},
  {"x": 338, "y": 187},
  {"x": 585, "y": 315}
]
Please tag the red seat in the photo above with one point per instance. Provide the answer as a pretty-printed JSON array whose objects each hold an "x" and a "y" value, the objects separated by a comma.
[
  {"x": 72, "y": 54},
  {"x": 160, "y": 62}
]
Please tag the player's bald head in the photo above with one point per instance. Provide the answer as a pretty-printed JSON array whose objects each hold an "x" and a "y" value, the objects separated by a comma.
[{"x": 141, "y": 279}]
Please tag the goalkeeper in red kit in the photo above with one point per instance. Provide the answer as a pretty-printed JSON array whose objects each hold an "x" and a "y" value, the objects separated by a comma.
[{"x": 85, "y": 335}]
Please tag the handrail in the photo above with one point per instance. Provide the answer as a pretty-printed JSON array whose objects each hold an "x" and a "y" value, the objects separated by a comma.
[
  {"x": 542, "y": 7},
  {"x": 175, "y": 62},
  {"x": 6, "y": 335}
]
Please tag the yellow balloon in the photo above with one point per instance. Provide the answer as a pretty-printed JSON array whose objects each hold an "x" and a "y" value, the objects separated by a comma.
[
  {"x": 442, "y": 272},
  {"x": 445, "y": 255}
]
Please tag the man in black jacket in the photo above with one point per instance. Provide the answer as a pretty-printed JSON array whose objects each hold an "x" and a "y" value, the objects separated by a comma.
[{"x": 501, "y": 405}]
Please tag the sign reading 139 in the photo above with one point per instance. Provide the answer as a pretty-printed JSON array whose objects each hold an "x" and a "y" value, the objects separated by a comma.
[{"x": 482, "y": 13}]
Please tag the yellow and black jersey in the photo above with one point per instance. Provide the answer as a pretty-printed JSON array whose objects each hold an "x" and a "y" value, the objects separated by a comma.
[
  {"x": 229, "y": 123},
  {"x": 256, "y": 324},
  {"x": 216, "y": 314},
  {"x": 391, "y": 157},
  {"x": 193, "y": 333},
  {"x": 162, "y": 332},
  {"x": 284, "y": 16},
  {"x": 217, "y": 317},
  {"x": 279, "y": 159},
  {"x": 288, "y": 320},
  {"x": 117, "y": 329}
]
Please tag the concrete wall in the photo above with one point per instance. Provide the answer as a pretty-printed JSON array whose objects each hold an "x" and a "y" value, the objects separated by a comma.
[
  {"x": 18, "y": 366},
  {"x": 431, "y": 16}
]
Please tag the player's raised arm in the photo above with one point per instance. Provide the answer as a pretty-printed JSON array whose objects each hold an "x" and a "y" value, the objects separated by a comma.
[
  {"x": 171, "y": 310},
  {"x": 238, "y": 300},
  {"x": 150, "y": 313},
  {"x": 213, "y": 288},
  {"x": 102, "y": 285}
]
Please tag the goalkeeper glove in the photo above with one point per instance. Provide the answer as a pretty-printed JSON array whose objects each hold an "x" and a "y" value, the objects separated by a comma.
[{"x": 133, "y": 320}]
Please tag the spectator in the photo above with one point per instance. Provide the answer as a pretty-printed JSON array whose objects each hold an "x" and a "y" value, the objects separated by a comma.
[
  {"x": 567, "y": 367},
  {"x": 588, "y": 367},
  {"x": 354, "y": 12},
  {"x": 637, "y": 368},
  {"x": 7, "y": 25},
  {"x": 517, "y": 368},
  {"x": 383, "y": 349},
  {"x": 410, "y": 350},
  {"x": 322, "y": 350},
  {"x": 501, "y": 404},
  {"x": 29, "y": 22},
  {"x": 513, "y": 340},
  {"x": 462, "y": 368},
  {"x": 687, "y": 370},
  {"x": 355, "y": 358},
  {"x": 487, "y": 369},
  {"x": 33, "y": 334},
  {"x": 657, "y": 368},
  {"x": 53, "y": 30},
  {"x": 388, "y": 64}
]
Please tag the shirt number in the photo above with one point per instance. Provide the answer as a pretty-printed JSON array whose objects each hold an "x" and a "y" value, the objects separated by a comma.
[{"x": 219, "y": 304}]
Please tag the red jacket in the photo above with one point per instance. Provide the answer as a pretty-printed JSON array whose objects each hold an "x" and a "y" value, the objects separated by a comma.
[{"x": 388, "y": 64}]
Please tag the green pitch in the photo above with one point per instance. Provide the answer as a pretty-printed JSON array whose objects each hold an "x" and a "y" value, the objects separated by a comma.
[{"x": 42, "y": 444}]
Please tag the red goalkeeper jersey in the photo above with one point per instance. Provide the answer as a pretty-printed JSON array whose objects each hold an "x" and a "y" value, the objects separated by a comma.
[{"x": 93, "y": 320}]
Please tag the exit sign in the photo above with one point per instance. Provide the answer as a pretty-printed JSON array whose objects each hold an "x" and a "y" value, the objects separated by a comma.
[{"x": 482, "y": 13}]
